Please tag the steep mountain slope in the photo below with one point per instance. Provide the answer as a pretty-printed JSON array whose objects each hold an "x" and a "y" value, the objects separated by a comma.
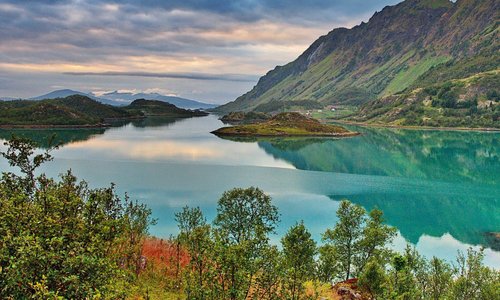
[{"x": 401, "y": 48}]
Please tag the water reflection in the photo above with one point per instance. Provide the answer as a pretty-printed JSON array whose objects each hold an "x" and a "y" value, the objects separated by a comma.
[
  {"x": 436, "y": 187},
  {"x": 459, "y": 188},
  {"x": 52, "y": 137},
  {"x": 443, "y": 155},
  {"x": 61, "y": 136}
]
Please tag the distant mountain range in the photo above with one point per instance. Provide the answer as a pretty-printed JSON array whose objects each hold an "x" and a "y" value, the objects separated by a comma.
[
  {"x": 177, "y": 101},
  {"x": 420, "y": 62},
  {"x": 122, "y": 99},
  {"x": 67, "y": 92}
]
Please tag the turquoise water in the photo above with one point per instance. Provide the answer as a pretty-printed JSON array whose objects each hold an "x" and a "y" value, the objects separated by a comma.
[{"x": 441, "y": 189}]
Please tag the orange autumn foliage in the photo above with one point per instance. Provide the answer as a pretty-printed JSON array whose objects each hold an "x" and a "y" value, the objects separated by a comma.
[{"x": 165, "y": 255}]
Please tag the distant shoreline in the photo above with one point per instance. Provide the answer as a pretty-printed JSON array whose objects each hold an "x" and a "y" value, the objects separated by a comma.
[
  {"x": 40, "y": 126},
  {"x": 363, "y": 124},
  {"x": 321, "y": 135}
]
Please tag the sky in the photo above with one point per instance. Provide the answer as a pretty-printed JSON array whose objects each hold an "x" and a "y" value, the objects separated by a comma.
[{"x": 208, "y": 50}]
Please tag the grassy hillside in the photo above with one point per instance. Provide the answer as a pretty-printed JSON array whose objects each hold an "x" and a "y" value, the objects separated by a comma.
[
  {"x": 74, "y": 110},
  {"x": 160, "y": 108},
  {"x": 285, "y": 124},
  {"x": 468, "y": 102},
  {"x": 415, "y": 44},
  {"x": 79, "y": 111}
]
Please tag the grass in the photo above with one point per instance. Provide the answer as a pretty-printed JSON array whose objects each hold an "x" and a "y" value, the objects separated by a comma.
[
  {"x": 406, "y": 77},
  {"x": 340, "y": 112},
  {"x": 285, "y": 124}
]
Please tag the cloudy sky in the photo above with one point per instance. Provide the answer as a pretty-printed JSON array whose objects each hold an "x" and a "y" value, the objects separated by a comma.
[{"x": 210, "y": 50}]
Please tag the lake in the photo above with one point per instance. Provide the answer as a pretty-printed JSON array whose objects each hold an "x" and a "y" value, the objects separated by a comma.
[{"x": 441, "y": 189}]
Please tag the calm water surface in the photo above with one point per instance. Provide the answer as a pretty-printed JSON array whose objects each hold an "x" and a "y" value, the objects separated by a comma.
[{"x": 441, "y": 189}]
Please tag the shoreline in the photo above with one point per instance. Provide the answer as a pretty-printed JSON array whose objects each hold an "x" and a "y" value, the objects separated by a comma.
[
  {"x": 324, "y": 135},
  {"x": 88, "y": 126},
  {"x": 363, "y": 124},
  {"x": 40, "y": 126}
]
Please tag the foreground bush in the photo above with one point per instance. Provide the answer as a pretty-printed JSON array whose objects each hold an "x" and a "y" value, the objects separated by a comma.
[{"x": 61, "y": 239}]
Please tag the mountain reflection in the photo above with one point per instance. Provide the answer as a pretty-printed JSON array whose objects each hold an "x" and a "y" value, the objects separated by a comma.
[
  {"x": 442, "y": 155},
  {"x": 451, "y": 161},
  {"x": 61, "y": 137},
  {"x": 52, "y": 137}
]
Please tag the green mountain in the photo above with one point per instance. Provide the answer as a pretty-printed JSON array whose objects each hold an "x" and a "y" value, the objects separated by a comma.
[
  {"x": 82, "y": 111},
  {"x": 75, "y": 110},
  {"x": 160, "y": 108},
  {"x": 415, "y": 44}
]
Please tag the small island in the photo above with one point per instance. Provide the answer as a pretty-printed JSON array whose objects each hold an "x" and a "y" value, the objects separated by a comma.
[
  {"x": 240, "y": 117},
  {"x": 157, "y": 108},
  {"x": 286, "y": 125}
]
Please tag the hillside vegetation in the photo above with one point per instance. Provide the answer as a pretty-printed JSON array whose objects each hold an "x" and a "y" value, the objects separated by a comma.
[
  {"x": 415, "y": 44},
  {"x": 72, "y": 110},
  {"x": 160, "y": 108},
  {"x": 81, "y": 111},
  {"x": 285, "y": 124},
  {"x": 468, "y": 102}
]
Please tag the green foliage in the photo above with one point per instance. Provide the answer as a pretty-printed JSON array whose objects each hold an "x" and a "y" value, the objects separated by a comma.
[
  {"x": 159, "y": 108},
  {"x": 60, "y": 239},
  {"x": 409, "y": 75},
  {"x": 467, "y": 102},
  {"x": 474, "y": 281},
  {"x": 355, "y": 240},
  {"x": 239, "y": 263},
  {"x": 281, "y": 106},
  {"x": 376, "y": 235},
  {"x": 73, "y": 110},
  {"x": 346, "y": 236},
  {"x": 195, "y": 237},
  {"x": 245, "y": 218},
  {"x": 439, "y": 278},
  {"x": 299, "y": 250},
  {"x": 373, "y": 279},
  {"x": 285, "y": 124},
  {"x": 77, "y": 110}
]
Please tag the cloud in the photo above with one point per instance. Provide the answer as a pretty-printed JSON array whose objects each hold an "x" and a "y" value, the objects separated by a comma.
[
  {"x": 203, "y": 40},
  {"x": 194, "y": 76}
]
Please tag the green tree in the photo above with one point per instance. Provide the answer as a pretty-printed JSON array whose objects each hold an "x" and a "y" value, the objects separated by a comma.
[
  {"x": 270, "y": 280},
  {"x": 299, "y": 250},
  {"x": 440, "y": 278},
  {"x": 403, "y": 283},
  {"x": 346, "y": 236},
  {"x": 474, "y": 280},
  {"x": 60, "y": 238},
  {"x": 245, "y": 218},
  {"x": 195, "y": 236},
  {"x": 373, "y": 279},
  {"x": 375, "y": 238}
]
